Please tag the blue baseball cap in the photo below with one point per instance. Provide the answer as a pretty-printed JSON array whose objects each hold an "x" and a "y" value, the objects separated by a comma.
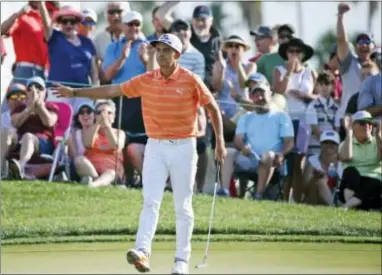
[
  {"x": 36, "y": 80},
  {"x": 202, "y": 11},
  {"x": 262, "y": 32},
  {"x": 257, "y": 77}
]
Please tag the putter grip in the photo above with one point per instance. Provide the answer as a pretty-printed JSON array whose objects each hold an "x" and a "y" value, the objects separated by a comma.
[{"x": 217, "y": 171}]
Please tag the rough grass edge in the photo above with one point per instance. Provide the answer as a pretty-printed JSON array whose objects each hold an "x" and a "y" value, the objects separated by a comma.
[{"x": 196, "y": 238}]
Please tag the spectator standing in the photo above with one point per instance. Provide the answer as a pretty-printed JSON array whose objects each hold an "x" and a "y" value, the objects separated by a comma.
[
  {"x": 206, "y": 39},
  {"x": 368, "y": 68},
  {"x": 370, "y": 95},
  {"x": 332, "y": 66},
  {"x": 88, "y": 24},
  {"x": 114, "y": 13},
  {"x": 321, "y": 114},
  {"x": 125, "y": 59},
  {"x": 296, "y": 82},
  {"x": 34, "y": 122},
  {"x": 264, "y": 41},
  {"x": 162, "y": 19},
  {"x": 269, "y": 61},
  {"x": 72, "y": 56},
  {"x": 361, "y": 154},
  {"x": 350, "y": 62},
  {"x": 27, "y": 31}
]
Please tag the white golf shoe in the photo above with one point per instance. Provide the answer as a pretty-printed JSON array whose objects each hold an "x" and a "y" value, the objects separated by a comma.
[
  {"x": 139, "y": 260},
  {"x": 180, "y": 267}
]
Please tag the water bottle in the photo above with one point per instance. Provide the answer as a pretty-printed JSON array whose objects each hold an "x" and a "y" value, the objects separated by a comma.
[{"x": 332, "y": 176}]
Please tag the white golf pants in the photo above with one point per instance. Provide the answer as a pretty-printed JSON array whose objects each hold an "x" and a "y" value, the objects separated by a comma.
[{"x": 176, "y": 159}]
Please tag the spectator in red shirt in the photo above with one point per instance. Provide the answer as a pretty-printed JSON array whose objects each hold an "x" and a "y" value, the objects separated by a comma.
[
  {"x": 333, "y": 66},
  {"x": 34, "y": 122},
  {"x": 3, "y": 52},
  {"x": 27, "y": 32}
]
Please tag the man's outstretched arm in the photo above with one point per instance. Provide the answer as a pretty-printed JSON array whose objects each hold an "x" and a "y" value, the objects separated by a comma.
[{"x": 101, "y": 92}]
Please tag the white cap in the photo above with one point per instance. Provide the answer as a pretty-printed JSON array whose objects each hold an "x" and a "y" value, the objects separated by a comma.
[
  {"x": 330, "y": 135},
  {"x": 263, "y": 86},
  {"x": 171, "y": 40},
  {"x": 132, "y": 16},
  {"x": 90, "y": 14},
  {"x": 362, "y": 116}
]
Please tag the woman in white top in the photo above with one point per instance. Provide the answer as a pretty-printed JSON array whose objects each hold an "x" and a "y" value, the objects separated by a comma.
[{"x": 296, "y": 82}]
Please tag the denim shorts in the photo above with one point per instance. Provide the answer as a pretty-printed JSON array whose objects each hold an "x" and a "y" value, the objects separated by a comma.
[
  {"x": 45, "y": 146},
  {"x": 246, "y": 164}
]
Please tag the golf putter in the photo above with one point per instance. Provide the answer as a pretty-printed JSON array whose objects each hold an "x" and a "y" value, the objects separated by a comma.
[{"x": 204, "y": 262}]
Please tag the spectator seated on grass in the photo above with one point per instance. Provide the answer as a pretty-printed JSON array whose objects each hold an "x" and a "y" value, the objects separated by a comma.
[
  {"x": 102, "y": 162},
  {"x": 361, "y": 154},
  {"x": 88, "y": 24},
  {"x": 321, "y": 114},
  {"x": 317, "y": 188},
  {"x": 262, "y": 140},
  {"x": 34, "y": 122},
  {"x": 83, "y": 119},
  {"x": 370, "y": 90},
  {"x": 72, "y": 56}
]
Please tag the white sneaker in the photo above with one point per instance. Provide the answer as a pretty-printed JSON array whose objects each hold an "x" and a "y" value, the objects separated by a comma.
[
  {"x": 86, "y": 180},
  {"x": 180, "y": 267},
  {"x": 139, "y": 260}
]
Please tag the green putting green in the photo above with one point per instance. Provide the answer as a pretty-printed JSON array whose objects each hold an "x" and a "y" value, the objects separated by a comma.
[{"x": 224, "y": 258}]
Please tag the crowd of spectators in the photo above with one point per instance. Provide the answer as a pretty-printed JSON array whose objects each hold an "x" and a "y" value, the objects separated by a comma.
[{"x": 279, "y": 113}]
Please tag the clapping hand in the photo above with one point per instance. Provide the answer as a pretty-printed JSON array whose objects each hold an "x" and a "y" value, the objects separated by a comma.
[
  {"x": 144, "y": 52},
  {"x": 379, "y": 131},
  {"x": 221, "y": 60},
  {"x": 126, "y": 50},
  {"x": 347, "y": 123}
]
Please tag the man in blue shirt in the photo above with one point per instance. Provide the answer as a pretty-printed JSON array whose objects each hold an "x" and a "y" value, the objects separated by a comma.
[
  {"x": 370, "y": 95},
  {"x": 125, "y": 59},
  {"x": 262, "y": 140}
]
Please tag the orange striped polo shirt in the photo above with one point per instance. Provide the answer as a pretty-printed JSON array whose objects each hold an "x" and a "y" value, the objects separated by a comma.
[{"x": 169, "y": 106}]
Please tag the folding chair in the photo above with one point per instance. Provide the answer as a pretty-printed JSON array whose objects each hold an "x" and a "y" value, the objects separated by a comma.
[{"x": 59, "y": 159}]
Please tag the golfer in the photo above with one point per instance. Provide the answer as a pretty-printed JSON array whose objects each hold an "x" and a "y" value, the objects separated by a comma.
[{"x": 171, "y": 96}]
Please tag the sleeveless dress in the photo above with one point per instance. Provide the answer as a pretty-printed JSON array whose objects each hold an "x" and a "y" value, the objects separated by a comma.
[{"x": 103, "y": 158}]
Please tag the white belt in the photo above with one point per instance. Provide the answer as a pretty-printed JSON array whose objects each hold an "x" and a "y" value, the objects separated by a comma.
[
  {"x": 173, "y": 141},
  {"x": 30, "y": 65}
]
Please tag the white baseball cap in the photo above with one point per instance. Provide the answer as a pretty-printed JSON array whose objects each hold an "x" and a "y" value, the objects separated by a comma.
[
  {"x": 362, "y": 116},
  {"x": 261, "y": 86},
  {"x": 170, "y": 40},
  {"x": 330, "y": 136},
  {"x": 89, "y": 13},
  {"x": 132, "y": 16}
]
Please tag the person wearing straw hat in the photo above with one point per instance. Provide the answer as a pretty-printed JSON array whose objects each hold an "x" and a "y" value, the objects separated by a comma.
[
  {"x": 72, "y": 56},
  {"x": 361, "y": 154},
  {"x": 171, "y": 96},
  {"x": 295, "y": 81}
]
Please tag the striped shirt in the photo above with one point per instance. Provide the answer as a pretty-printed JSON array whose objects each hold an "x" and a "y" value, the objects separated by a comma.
[
  {"x": 193, "y": 60},
  {"x": 169, "y": 106}
]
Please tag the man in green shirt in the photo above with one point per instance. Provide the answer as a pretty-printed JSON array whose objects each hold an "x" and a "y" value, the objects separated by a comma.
[
  {"x": 269, "y": 61},
  {"x": 361, "y": 154}
]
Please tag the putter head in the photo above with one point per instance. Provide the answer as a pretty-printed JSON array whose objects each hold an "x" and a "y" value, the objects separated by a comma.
[{"x": 201, "y": 266}]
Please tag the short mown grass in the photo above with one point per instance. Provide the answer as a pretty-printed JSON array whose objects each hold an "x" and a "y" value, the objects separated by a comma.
[{"x": 33, "y": 212}]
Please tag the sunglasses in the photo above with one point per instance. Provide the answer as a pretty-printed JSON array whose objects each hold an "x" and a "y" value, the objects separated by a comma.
[
  {"x": 37, "y": 86},
  {"x": 233, "y": 45},
  {"x": 180, "y": 28},
  {"x": 88, "y": 22},
  {"x": 112, "y": 12},
  {"x": 99, "y": 112},
  {"x": 133, "y": 24},
  {"x": 364, "y": 41},
  {"x": 363, "y": 123},
  {"x": 17, "y": 97},
  {"x": 294, "y": 51},
  {"x": 86, "y": 111},
  {"x": 285, "y": 36},
  {"x": 65, "y": 21}
]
